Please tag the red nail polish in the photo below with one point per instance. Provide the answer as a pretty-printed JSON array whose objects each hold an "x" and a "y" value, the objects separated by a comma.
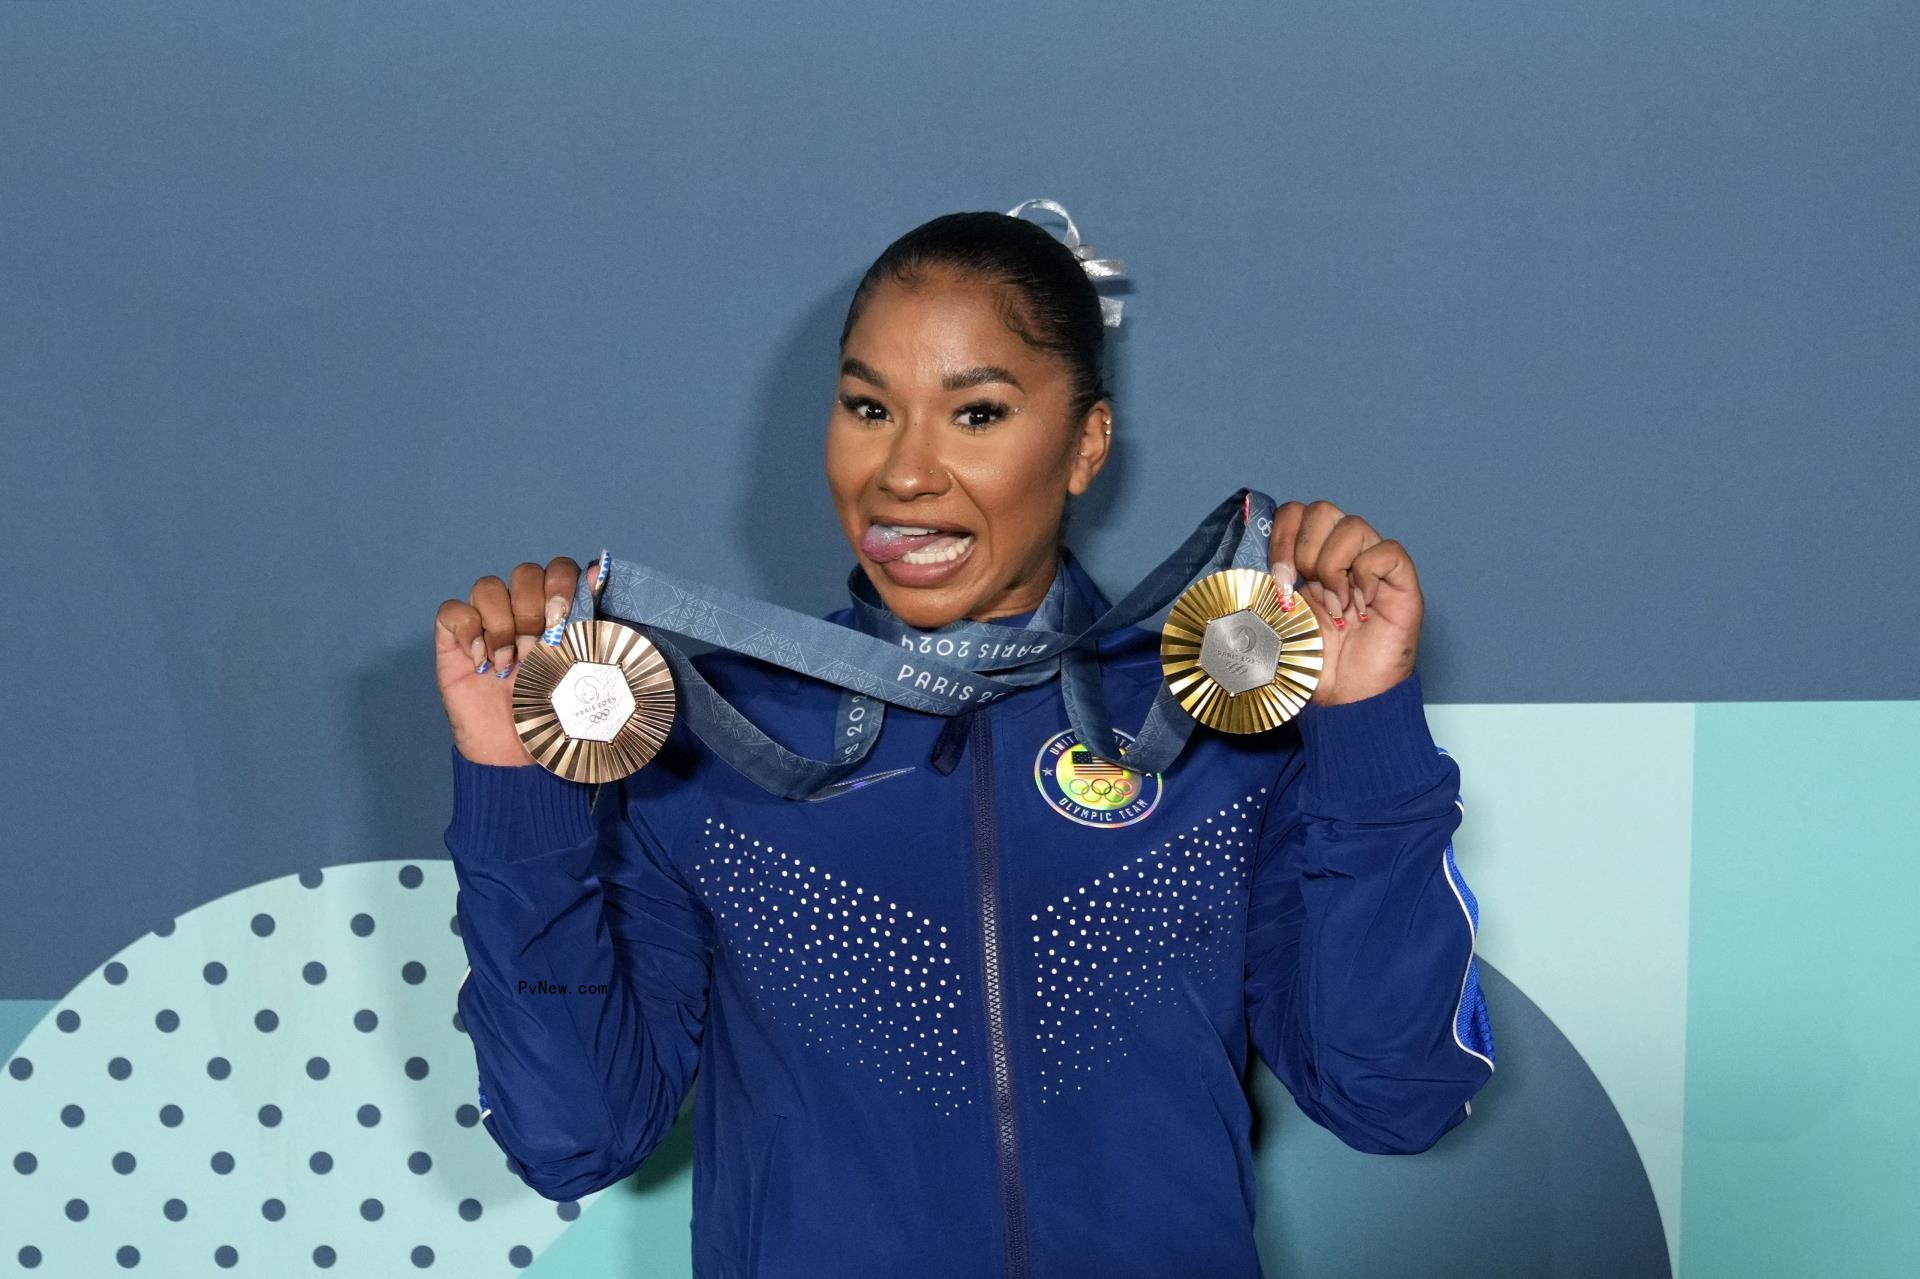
[
  {"x": 1340, "y": 623},
  {"x": 1363, "y": 617}
]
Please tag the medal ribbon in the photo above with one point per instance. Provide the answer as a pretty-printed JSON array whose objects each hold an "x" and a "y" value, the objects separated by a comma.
[{"x": 951, "y": 669}]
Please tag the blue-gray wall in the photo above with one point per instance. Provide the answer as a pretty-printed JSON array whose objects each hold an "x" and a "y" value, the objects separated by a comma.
[{"x": 309, "y": 315}]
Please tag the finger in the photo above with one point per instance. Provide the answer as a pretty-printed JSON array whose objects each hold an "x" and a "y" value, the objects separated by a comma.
[
  {"x": 1384, "y": 566},
  {"x": 496, "y": 620},
  {"x": 1332, "y": 616},
  {"x": 456, "y": 625},
  {"x": 1319, "y": 521},
  {"x": 1348, "y": 538},
  {"x": 1323, "y": 612},
  {"x": 563, "y": 578},
  {"x": 1286, "y": 527},
  {"x": 527, "y": 590}
]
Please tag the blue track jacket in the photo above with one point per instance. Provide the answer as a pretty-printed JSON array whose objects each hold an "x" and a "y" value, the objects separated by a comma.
[{"x": 987, "y": 1014}]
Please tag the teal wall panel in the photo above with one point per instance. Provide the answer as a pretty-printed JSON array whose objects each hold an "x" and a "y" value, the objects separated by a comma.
[{"x": 1803, "y": 1119}]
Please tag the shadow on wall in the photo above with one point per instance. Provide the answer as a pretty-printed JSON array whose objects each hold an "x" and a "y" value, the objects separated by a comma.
[
  {"x": 407, "y": 788},
  {"x": 1541, "y": 1180}
]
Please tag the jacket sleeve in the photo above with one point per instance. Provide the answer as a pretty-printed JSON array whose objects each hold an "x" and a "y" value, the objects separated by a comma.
[
  {"x": 588, "y": 957},
  {"x": 1361, "y": 985}
]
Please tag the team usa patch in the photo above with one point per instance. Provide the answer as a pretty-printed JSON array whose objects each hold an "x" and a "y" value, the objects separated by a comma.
[{"x": 1082, "y": 787}]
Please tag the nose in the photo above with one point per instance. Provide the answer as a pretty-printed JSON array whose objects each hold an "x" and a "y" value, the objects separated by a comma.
[{"x": 913, "y": 466}]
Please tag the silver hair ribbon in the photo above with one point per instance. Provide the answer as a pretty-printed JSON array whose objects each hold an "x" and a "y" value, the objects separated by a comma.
[{"x": 1096, "y": 268}]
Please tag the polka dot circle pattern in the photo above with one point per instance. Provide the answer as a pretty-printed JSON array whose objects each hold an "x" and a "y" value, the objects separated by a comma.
[{"x": 267, "y": 1070}]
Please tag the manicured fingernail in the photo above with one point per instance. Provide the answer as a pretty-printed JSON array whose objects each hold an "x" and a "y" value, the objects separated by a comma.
[
  {"x": 479, "y": 651},
  {"x": 502, "y": 656},
  {"x": 1340, "y": 623},
  {"x": 502, "y": 672},
  {"x": 556, "y": 609}
]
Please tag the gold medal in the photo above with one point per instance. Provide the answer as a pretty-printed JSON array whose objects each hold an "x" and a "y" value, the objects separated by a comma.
[
  {"x": 596, "y": 706},
  {"x": 1234, "y": 660}
]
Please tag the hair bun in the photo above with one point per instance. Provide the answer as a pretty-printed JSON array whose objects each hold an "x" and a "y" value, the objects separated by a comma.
[{"x": 1097, "y": 268}]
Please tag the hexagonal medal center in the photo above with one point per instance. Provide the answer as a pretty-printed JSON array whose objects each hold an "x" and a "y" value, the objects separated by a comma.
[
  {"x": 593, "y": 701},
  {"x": 1240, "y": 651}
]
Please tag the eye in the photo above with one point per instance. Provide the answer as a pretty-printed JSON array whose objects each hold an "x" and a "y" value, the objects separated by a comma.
[
  {"x": 980, "y": 415},
  {"x": 864, "y": 407}
]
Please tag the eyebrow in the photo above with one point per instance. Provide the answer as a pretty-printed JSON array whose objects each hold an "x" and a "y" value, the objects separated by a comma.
[
  {"x": 851, "y": 367},
  {"x": 980, "y": 376}
]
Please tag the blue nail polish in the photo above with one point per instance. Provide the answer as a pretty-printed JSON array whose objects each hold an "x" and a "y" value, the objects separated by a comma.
[
  {"x": 501, "y": 673},
  {"x": 482, "y": 668}
]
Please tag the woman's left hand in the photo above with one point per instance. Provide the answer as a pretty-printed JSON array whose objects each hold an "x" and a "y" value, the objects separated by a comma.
[{"x": 1361, "y": 586}]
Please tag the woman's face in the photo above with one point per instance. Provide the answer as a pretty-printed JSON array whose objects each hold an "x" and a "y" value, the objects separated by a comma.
[{"x": 951, "y": 452}]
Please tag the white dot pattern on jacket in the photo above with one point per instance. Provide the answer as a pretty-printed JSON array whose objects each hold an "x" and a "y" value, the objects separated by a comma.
[
  {"x": 874, "y": 981},
  {"x": 869, "y": 979},
  {"x": 1126, "y": 939}
]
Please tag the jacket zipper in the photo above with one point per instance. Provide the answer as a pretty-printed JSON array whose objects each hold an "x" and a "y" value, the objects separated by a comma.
[{"x": 1005, "y": 1122}]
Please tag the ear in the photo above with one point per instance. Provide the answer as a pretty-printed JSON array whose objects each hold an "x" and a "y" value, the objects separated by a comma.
[{"x": 1092, "y": 440}]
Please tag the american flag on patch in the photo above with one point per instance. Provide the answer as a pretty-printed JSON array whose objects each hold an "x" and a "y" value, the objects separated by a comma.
[{"x": 1086, "y": 764}]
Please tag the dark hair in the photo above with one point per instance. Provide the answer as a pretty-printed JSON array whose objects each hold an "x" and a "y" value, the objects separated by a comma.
[{"x": 1048, "y": 301}]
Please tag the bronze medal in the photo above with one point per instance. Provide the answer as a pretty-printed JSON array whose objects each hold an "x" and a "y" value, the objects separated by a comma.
[
  {"x": 596, "y": 706},
  {"x": 1233, "y": 659}
]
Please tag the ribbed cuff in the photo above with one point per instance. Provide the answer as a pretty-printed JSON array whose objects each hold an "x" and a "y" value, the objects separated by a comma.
[
  {"x": 1377, "y": 746},
  {"x": 504, "y": 813}
]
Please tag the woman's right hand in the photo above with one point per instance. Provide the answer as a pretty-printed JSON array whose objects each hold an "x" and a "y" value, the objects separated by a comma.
[{"x": 477, "y": 646}]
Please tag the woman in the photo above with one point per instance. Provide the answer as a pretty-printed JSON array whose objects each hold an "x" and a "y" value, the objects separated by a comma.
[{"x": 988, "y": 1013}]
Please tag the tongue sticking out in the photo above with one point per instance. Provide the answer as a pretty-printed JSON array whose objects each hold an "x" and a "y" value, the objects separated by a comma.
[{"x": 882, "y": 542}]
